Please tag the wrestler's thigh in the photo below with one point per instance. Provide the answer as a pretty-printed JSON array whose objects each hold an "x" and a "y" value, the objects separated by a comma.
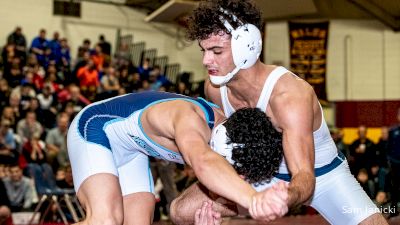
[
  {"x": 375, "y": 219},
  {"x": 137, "y": 190},
  {"x": 340, "y": 199}
]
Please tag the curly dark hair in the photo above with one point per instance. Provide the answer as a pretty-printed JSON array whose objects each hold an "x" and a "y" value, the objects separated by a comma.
[
  {"x": 258, "y": 150},
  {"x": 205, "y": 19}
]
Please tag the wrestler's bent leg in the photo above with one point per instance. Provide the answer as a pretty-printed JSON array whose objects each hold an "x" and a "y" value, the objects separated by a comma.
[{"x": 101, "y": 197}]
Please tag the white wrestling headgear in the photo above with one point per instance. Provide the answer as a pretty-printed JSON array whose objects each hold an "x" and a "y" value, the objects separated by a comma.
[
  {"x": 219, "y": 143},
  {"x": 246, "y": 44}
]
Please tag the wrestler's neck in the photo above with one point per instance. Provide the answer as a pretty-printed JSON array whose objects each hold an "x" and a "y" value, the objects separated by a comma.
[{"x": 248, "y": 83}]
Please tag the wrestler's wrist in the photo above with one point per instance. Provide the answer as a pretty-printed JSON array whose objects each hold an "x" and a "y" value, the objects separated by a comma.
[{"x": 249, "y": 199}]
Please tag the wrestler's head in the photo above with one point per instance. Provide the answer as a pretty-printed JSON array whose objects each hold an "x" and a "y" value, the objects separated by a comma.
[
  {"x": 229, "y": 33},
  {"x": 250, "y": 143},
  {"x": 206, "y": 20}
]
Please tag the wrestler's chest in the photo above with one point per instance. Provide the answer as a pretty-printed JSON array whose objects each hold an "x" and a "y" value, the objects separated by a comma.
[{"x": 268, "y": 111}]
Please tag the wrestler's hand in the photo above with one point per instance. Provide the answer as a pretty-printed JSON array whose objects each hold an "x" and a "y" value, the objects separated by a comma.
[
  {"x": 207, "y": 216},
  {"x": 271, "y": 203}
]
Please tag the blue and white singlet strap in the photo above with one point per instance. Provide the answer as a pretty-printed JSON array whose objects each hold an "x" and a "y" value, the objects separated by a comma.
[
  {"x": 207, "y": 107},
  {"x": 318, "y": 171}
]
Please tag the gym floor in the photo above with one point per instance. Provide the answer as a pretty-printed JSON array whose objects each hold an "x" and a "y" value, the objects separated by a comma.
[{"x": 297, "y": 220}]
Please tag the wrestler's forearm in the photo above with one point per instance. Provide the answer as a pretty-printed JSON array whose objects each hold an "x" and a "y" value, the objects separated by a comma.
[
  {"x": 217, "y": 175},
  {"x": 301, "y": 188}
]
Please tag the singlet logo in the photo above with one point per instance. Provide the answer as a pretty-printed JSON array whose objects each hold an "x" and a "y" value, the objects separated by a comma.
[{"x": 145, "y": 146}]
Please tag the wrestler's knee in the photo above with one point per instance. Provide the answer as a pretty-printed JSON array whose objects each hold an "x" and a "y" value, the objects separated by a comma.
[
  {"x": 173, "y": 211},
  {"x": 374, "y": 219},
  {"x": 105, "y": 215},
  {"x": 181, "y": 211}
]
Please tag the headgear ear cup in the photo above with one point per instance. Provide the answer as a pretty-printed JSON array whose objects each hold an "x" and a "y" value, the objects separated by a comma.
[{"x": 246, "y": 45}]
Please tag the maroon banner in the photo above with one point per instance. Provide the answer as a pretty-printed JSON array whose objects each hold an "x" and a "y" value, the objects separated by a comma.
[
  {"x": 369, "y": 113},
  {"x": 308, "y": 50}
]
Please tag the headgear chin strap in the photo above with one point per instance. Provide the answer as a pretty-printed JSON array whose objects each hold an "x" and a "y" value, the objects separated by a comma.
[
  {"x": 218, "y": 142},
  {"x": 221, "y": 80},
  {"x": 246, "y": 44}
]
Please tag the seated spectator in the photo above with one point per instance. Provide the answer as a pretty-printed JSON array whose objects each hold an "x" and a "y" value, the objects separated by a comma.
[
  {"x": 25, "y": 92},
  {"x": 52, "y": 79},
  {"x": 109, "y": 83},
  {"x": 38, "y": 71},
  {"x": 8, "y": 54},
  {"x": 105, "y": 45},
  {"x": 34, "y": 106},
  {"x": 5, "y": 211},
  {"x": 14, "y": 76},
  {"x": 85, "y": 48},
  {"x": 7, "y": 135},
  {"x": 382, "y": 203},
  {"x": 55, "y": 45},
  {"x": 337, "y": 136},
  {"x": 89, "y": 80},
  {"x": 32, "y": 79},
  {"x": 3, "y": 171},
  {"x": 67, "y": 181},
  {"x": 182, "y": 88},
  {"x": 122, "y": 55},
  {"x": 98, "y": 58},
  {"x": 365, "y": 182},
  {"x": 161, "y": 77},
  {"x": 81, "y": 62},
  {"x": 64, "y": 62},
  {"x": 48, "y": 105},
  {"x": 37, "y": 167},
  {"x": 29, "y": 127},
  {"x": 8, "y": 114},
  {"x": 362, "y": 151},
  {"x": 129, "y": 82},
  {"x": 72, "y": 97},
  {"x": 8, "y": 153},
  {"x": 153, "y": 83},
  {"x": 5, "y": 92},
  {"x": 39, "y": 46},
  {"x": 144, "y": 69},
  {"x": 377, "y": 177},
  {"x": 382, "y": 148},
  {"x": 56, "y": 143},
  {"x": 18, "y": 39},
  {"x": 20, "y": 190},
  {"x": 7, "y": 156}
]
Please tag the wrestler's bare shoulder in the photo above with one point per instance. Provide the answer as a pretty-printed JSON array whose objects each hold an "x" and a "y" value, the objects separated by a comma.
[{"x": 292, "y": 85}]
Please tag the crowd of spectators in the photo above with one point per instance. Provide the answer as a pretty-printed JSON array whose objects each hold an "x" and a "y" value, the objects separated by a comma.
[
  {"x": 42, "y": 88},
  {"x": 376, "y": 165}
]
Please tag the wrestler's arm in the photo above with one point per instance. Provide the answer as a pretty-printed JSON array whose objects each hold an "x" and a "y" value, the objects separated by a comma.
[
  {"x": 191, "y": 136},
  {"x": 294, "y": 114}
]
